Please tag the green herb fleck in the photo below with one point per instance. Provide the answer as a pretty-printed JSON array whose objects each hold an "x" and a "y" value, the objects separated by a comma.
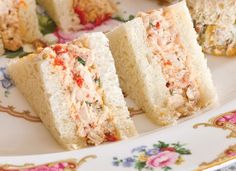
[
  {"x": 81, "y": 61},
  {"x": 121, "y": 19},
  {"x": 151, "y": 25},
  {"x": 19, "y": 53},
  {"x": 47, "y": 25},
  {"x": 88, "y": 103},
  {"x": 98, "y": 80}
]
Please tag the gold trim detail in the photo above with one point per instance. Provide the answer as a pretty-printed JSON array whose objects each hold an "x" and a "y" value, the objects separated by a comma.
[
  {"x": 70, "y": 164},
  {"x": 228, "y": 155},
  {"x": 226, "y": 121},
  {"x": 24, "y": 114}
]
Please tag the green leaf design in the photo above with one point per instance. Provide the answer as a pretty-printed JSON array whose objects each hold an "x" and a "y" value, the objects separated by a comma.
[
  {"x": 167, "y": 168},
  {"x": 19, "y": 53},
  {"x": 180, "y": 149},
  {"x": 183, "y": 151},
  {"x": 161, "y": 144},
  {"x": 121, "y": 19},
  {"x": 178, "y": 145},
  {"x": 81, "y": 61},
  {"x": 140, "y": 165},
  {"x": 47, "y": 25}
]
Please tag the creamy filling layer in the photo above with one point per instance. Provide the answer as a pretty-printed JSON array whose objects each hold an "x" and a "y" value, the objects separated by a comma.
[
  {"x": 82, "y": 86},
  {"x": 9, "y": 24},
  {"x": 93, "y": 11},
  {"x": 163, "y": 39}
]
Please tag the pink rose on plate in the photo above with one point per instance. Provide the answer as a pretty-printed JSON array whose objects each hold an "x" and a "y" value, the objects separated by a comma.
[
  {"x": 233, "y": 119},
  {"x": 163, "y": 159}
]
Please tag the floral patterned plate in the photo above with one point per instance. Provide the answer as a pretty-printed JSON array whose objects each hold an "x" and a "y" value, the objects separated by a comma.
[{"x": 205, "y": 141}]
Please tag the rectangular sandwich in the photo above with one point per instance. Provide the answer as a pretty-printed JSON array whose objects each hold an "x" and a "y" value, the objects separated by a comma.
[
  {"x": 160, "y": 64},
  {"x": 72, "y": 15},
  {"x": 18, "y": 24},
  {"x": 75, "y": 91},
  {"x": 214, "y": 21}
]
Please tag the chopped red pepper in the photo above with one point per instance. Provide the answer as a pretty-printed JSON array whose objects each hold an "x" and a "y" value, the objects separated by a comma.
[
  {"x": 59, "y": 62},
  {"x": 111, "y": 137},
  {"x": 58, "y": 49},
  {"x": 79, "y": 80},
  {"x": 167, "y": 63},
  {"x": 158, "y": 25},
  {"x": 82, "y": 15}
]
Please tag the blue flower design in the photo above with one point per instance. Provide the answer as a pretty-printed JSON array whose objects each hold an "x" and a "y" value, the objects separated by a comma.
[
  {"x": 152, "y": 151},
  {"x": 115, "y": 163},
  {"x": 144, "y": 157},
  {"x": 5, "y": 80},
  {"x": 128, "y": 162},
  {"x": 139, "y": 149}
]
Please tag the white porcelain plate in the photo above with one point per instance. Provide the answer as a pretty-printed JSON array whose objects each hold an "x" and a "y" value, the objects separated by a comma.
[{"x": 205, "y": 141}]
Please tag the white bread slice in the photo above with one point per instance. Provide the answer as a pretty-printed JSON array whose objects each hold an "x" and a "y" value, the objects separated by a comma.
[
  {"x": 45, "y": 94},
  {"x": 61, "y": 12},
  {"x": 142, "y": 79},
  {"x": 29, "y": 25}
]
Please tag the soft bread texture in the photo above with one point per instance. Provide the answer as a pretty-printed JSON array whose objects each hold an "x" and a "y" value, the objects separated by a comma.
[
  {"x": 196, "y": 59},
  {"x": 61, "y": 12},
  {"x": 29, "y": 25},
  {"x": 43, "y": 91},
  {"x": 143, "y": 80},
  {"x": 110, "y": 84}
]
